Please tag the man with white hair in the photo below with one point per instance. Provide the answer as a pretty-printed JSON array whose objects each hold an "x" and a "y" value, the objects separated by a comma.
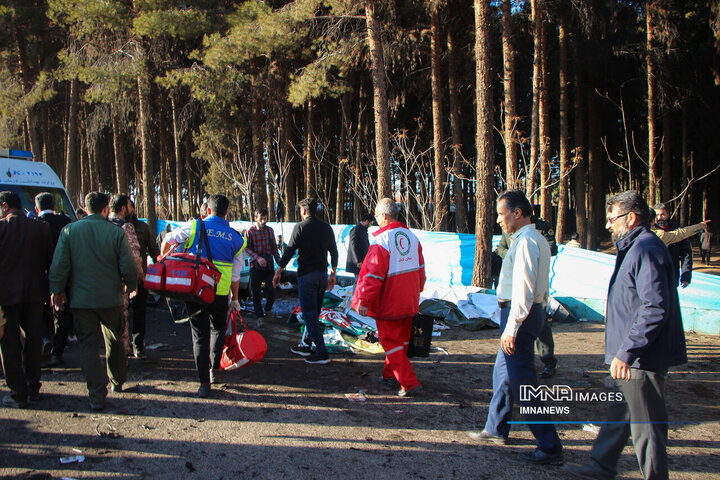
[{"x": 388, "y": 289}]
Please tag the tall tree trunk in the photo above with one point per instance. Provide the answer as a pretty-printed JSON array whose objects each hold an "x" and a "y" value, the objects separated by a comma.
[
  {"x": 684, "y": 217},
  {"x": 284, "y": 136},
  {"x": 311, "y": 173},
  {"x": 380, "y": 104},
  {"x": 271, "y": 192},
  {"x": 342, "y": 159},
  {"x": 441, "y": 187},
  {"x": 652, "y": 147},
  {"x": 580, "y": 154},
  {"x": 595, "y": 192},
  {"x": 72, "y": 158},
  {"x": 561, "y": 232},
  {"x": 148, "y": 175},
  {"x": 667, "y": 177},
  {"x": 530, "y": 185},
  {"x": 544, "y": 117},
  {"x": 510, "y": 115},
  {"x": 188, "y": 175},
  {"x": 260, "y": 198},
  {"x": 461, "y": 220},
  {"x": 178, "y": 161},
  {"x": 32, "y": 120},
  {"x": 484, "y": 145},
  {"x": 362, "y": 135},
  {"x": 164, "y": 146},
  {"x": 121, "y": 170}
]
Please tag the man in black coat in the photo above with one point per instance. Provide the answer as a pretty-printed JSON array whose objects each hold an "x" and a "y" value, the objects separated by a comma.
[
  {"x": 643, "y": 337},
  {"x": 148, "y": 246},
  {"x": 59, "y": 322},
  {"x": 26, "y": 251},
  {"x": 358, "y": 244},
  {"x": 680, "y": 252}
]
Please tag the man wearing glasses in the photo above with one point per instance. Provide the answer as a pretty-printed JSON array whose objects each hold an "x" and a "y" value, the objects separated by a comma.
[{"x": 643, "y": 337}]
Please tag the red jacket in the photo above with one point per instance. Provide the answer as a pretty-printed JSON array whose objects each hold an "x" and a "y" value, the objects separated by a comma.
[{"x": 392, "y": 274}]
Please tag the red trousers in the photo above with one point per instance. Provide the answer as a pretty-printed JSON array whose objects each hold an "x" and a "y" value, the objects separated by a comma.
[{"x": 394, "y": 338}]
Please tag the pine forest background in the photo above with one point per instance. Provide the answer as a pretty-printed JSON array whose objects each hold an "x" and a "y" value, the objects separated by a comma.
[{"x": 440, "y": 104}]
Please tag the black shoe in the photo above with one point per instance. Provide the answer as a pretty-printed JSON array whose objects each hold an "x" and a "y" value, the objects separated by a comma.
[
  {"x": 547, "y": 372},
  {"x": 11, "y": 402},
  {"x": 53, "y": 362},
  {"x": 97, "y": 406},
  {"x": 586, "y": 472},
  {"x": 538, "y": 457},
  {"x": 204, "y": 390},
  {"x": 413, "y": 392},
  {"x": 214, "y": 375},
  {"x": 116, "y": 387},
  {"x": 34, "y": 397},
  {"x": 487, "y": 437},
  {"x": 388, "y": 383},
  {"x": 316, "y": 359},
  {"x": 302, "y": 350}
]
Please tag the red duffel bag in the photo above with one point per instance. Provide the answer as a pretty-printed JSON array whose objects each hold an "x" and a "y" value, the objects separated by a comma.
[
  {"x": 184, "y": 275},
  {"x": 241, "y": 348}
]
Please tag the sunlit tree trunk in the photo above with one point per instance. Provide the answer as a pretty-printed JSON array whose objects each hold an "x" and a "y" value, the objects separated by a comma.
[
  {"x": 684, "y": 217},
  {"x": 310, "y": 171},
  {"x": 667, "y": 179},
  {"x": 380, "y": 104},
  {"x": 342, "y": 159},
  {"x": 596, "y": 206},
  {"x": 461, "y": 220},
  {"x": 561, "y": 232},
  {"x": 484, "y": 145},
  {"x": 544, "y": 118},
  {"x": 580, "y": 156},
  {"x": 510, "y": 115},
  {"x": 178, "y": 159},
  {"x": 440, "y": 199},
  {"x": 652, "y": 146},
  {"x": 72, "y": 157},
  {"x": 143, "y": 82},
  {"x": 121, "y": 169},
  {"x": 260, "y": 198}
]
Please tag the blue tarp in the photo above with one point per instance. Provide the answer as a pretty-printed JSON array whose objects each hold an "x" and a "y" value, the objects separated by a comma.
[{"x": 579, "y": 278}]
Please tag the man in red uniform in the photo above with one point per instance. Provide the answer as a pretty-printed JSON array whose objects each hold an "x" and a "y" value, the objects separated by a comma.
[{"x": 388, "y": 290}]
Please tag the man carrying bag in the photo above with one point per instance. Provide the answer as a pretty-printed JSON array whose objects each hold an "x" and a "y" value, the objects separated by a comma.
[{"x": 208, "y": 325}]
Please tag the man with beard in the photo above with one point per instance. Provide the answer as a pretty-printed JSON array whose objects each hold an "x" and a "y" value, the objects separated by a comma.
[
  {"x": 643, "y": 337},
  {"x": 680, "y": 252}
]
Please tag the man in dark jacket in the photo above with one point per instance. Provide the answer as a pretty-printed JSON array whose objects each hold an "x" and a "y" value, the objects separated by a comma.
[
  {"x": 680, "y": 252},
  {"x": 57, "y": 321},
  {"x": 313, "y": 239},
  {"x": 358, "y": 244},
  {"x": 643, "y": 337},
  {"x": 148, "y": 246},
  {"x": 25, "y": 254}
]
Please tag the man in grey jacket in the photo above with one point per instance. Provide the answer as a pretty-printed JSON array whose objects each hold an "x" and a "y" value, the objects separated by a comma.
[{"x": 643, "y": 337}]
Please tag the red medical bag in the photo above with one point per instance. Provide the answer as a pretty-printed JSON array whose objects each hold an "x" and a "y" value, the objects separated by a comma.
[
  {"x": 184, "y": 275},
  {"x": 241, "y": 348}
]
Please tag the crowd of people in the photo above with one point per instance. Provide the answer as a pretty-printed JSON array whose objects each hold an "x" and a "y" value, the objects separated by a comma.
[{"x": 84, "y": 275}]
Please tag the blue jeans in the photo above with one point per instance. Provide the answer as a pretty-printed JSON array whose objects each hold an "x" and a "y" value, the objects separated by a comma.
[
  {"x": 509, "y": 373},
  {"x": 311, "y": 291}
]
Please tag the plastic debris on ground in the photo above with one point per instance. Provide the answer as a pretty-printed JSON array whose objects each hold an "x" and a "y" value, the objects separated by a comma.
[
  {"x": 439, "y": 326},
  {"x": 345, "y": 330},
  {"x": 356, "y": 397},
  {"x": 73, "y": 459}
]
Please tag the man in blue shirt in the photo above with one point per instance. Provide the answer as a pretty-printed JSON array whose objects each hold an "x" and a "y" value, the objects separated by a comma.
[{"x": 208, "y": 325}]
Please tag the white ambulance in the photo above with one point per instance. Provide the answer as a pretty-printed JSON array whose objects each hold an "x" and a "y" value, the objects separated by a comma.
[{"x": 19, "y": 174}]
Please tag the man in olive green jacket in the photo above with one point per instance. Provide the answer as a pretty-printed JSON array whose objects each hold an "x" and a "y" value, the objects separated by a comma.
[{"x": 92, "y": 261}]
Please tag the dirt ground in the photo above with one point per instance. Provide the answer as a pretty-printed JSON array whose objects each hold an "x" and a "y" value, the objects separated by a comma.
[{"x": 283, "y": 418}]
